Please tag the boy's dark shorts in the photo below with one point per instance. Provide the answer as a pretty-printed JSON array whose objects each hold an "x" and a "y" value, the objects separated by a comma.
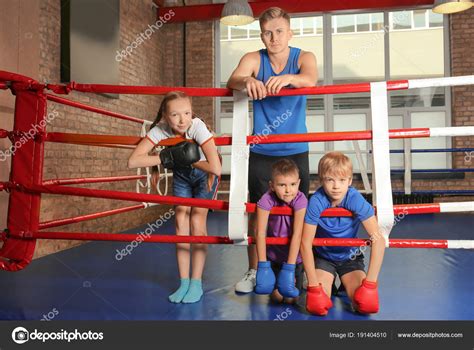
[
  {"x": 276, "y": 267},
  {"x": 340, "y": 267}
]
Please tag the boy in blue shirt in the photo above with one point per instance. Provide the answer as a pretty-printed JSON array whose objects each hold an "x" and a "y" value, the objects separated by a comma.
[{"x": 321, "y": 264}]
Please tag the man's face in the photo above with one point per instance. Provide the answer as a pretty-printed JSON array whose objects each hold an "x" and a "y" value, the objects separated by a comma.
[{"x": 276, "y": 34}]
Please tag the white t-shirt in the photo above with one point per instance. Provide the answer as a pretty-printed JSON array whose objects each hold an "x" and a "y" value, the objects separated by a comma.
[{"x": 197, "y": 131}]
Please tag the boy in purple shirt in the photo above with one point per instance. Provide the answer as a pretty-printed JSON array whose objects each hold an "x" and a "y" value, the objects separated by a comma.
[{"x": 283, "y": 261}]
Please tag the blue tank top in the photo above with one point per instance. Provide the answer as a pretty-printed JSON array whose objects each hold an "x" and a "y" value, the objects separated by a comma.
[{"x": 279, "y": 114}]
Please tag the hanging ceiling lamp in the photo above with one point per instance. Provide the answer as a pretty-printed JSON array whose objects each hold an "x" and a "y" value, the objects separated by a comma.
[
  {"x": 451, "y": 6},
  {"x": 237, "y": 13}
]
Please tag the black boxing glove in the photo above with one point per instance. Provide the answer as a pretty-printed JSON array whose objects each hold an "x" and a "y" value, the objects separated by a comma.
[{"x": 180, "y": 155}]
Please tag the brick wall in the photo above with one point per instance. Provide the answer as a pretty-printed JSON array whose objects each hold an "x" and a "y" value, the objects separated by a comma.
[
  {"x": 199, "y": 57},
  {"x": 143, "y": 67},
  {"x": 200, "y": 65},
  {"x": 462, "y": 63}
]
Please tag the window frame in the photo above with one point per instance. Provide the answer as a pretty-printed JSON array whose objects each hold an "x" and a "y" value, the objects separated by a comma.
[{"x": 329, "y": 110}]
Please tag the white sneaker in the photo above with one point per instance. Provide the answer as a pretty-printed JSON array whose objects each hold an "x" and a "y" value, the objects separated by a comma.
[{"x": 247, "y": 284}]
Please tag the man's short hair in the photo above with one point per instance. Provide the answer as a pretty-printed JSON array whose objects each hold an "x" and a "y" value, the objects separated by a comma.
[
  {"x": 335, "y": 163},
  {"x": 272, "y": 13}
]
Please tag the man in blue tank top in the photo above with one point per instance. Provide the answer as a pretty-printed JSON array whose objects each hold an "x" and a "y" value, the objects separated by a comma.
[{"x": 264, "y": 73}]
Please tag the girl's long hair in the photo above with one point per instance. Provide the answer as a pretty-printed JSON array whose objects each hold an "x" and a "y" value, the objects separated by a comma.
[{"x": 170, "y": 96}]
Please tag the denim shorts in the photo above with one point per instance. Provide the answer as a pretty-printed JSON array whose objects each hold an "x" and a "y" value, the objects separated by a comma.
[{"x": 192, "y": 183}]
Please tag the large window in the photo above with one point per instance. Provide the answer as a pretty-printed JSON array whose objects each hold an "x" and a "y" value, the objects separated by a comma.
[
  {"x": 358, "y": 47},
  {"x": 236, "y": 41},
  {"x": 416, "y": 51}
]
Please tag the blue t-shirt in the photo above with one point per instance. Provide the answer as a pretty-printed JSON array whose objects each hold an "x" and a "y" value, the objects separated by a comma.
[
  {"x": 337, "y": 227},
  {"x": 279, "y": 114}
]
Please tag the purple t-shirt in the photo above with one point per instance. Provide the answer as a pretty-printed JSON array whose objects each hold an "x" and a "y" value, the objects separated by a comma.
[{"x": 280, "y": 225}]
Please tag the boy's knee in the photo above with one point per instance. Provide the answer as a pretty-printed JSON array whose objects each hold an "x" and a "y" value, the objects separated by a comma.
[
  {"x": 276, "y": 297},
  {"x": 290, "y": 301}
]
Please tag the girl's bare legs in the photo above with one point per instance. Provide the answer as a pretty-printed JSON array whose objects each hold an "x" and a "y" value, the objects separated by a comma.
[
  {"x": 182, "y": 253},
  {"x": 199, "y": 251},
  {"x": 198, "y": 255}
]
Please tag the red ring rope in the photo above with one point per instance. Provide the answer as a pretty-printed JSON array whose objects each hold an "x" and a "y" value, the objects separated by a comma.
[
  {"x": 327, "y": 242},
  {"x": 83, "y": 106},
  {"x": 91, "y": 139},
  {"x": 405, "y": 209}
]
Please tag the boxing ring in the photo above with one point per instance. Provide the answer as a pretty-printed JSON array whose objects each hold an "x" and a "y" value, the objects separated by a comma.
[{"x": 220, "y": 302}]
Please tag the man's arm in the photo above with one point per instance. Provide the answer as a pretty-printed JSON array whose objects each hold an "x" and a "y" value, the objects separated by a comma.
[
  {"x": 243, "y": 77},
  {"x": 377, "y": 248},
  {"x": 308, "y": 75}
]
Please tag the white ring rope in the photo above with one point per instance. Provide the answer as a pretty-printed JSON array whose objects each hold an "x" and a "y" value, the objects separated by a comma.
[{"x": 140, "y": 185}]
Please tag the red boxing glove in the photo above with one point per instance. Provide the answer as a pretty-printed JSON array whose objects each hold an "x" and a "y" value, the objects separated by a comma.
[
  {"x": 317, "y": 302},
  {"x": 366, "y": 298}
]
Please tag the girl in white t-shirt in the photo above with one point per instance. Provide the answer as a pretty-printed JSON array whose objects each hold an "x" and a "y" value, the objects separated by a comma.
[{"x": 175, "y": 119}]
